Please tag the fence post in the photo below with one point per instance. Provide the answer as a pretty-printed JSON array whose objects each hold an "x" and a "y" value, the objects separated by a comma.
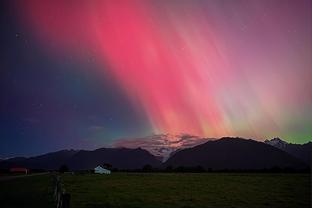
[
  {"x": 60, "y": 196},
  {"x": 65, "y": 200}
]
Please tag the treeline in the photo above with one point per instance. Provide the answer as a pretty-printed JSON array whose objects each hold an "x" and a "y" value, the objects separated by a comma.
[
  {"x": 196, "y": 169},
  {"x": 200, "y": 169}
]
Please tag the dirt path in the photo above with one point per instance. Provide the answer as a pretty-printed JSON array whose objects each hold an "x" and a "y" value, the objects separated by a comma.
[{"x": 5, "y": 178}]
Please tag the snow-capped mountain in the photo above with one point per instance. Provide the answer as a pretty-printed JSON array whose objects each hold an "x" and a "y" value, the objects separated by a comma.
[
  {"x": 301, "y": 151},
  {"x": 162, "y": 145},
  {"x": 276, "y": 142}
]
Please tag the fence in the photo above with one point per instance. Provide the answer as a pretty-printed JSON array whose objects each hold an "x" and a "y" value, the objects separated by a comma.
[{"x": 61, "y": 197}]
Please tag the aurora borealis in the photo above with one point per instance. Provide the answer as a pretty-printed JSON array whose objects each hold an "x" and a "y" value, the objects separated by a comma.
[{"x": 97, "y": 71}]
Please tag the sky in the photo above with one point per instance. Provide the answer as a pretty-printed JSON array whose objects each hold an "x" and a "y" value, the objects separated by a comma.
[{"x": 94, "y": 73}]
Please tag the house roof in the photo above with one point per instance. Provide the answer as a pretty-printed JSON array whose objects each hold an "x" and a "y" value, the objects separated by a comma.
[{"x": 100, "y": 168}]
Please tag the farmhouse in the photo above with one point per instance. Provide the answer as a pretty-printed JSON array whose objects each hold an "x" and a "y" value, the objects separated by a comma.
[
  {"x": 101, "y": 170},
  {"x": 19, "y": 170}
]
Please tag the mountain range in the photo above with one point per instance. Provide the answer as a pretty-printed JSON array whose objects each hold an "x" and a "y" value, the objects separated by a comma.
[
  {"x": 234, "y": 154},
  {"x": 224, "y": 153},
  {"x": 301, "y": 151},
  {"x": 121, "y": 158},
  {"x": 162, "y": 145}
]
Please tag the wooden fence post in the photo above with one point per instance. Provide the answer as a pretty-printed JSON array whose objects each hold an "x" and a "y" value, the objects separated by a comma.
[
  {"x": 60, "y": 196},
  {"x": 65, "y": 200}
]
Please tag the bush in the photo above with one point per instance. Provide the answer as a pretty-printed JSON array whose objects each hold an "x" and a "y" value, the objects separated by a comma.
[
  {"x": 63, "y": 169},
  {"x": 147, "y": 168}
]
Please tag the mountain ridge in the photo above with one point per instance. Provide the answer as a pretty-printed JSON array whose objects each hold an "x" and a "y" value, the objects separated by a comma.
[
  {"x": 234, "y": 153},
  {"x": 301, "y": 151},
  {"x": 233, "y": 150}
]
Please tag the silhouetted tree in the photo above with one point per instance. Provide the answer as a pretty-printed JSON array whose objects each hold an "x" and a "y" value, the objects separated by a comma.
[
  {"x": 169, "y": 168},
  {"x": 147, "y": 168},
  {"x": 107, "y": 166},
  {"x": 199, "y": 169},
  {"x": 180, "y": 169},
  {"x": 63, "y": 169}
]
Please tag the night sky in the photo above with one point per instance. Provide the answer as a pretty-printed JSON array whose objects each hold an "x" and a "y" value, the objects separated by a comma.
[{"x": 88, "y": 74}]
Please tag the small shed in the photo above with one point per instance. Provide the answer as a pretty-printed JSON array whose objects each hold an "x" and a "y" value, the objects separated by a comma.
[
  {"x": 101, "y": 170},
  {"x": 19, "y": 170}
]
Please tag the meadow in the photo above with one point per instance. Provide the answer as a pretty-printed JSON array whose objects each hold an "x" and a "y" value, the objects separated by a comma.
[
  {"x": 27, "y": 192},
  {"x": 154, "y": 190}
]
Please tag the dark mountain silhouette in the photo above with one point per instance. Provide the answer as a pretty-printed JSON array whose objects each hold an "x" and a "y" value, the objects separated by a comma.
[
  {"x": 301, "y": 151},
  {"x": 16, "y": 159},
  {"x": 234, "y": 153},
  {"x": 50, "y": 161},
  {"x": 225, "y": 153},
  {"x": 174, "y": 152},
  {"x": 162, "y": 145},
  {"x": 120, "y": 158}
]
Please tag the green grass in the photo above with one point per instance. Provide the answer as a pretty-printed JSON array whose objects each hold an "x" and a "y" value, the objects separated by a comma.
[
  {"x": 30, "y": 192},
  {"x": 162, "y": 190},
  {"x": 188, "y": 190},
  {"x": 11, "y": 174}
]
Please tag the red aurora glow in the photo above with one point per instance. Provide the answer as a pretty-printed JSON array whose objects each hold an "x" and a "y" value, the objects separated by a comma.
[{"x": 178, "y": 62}]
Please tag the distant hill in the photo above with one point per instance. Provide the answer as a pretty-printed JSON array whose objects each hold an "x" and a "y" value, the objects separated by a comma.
[
  {"x": 16, "y": 159},
  {"x": 50, "y": 161},
  {"x": 301, "y": 151},
  {"x": 234, "y": 153},
  {"x": 121, "y": 158}
]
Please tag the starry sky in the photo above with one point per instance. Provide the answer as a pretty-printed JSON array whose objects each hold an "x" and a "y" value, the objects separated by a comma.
[{"x": 88, "y": 74}]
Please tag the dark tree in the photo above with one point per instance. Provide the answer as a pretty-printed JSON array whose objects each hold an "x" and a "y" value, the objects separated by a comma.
[
  {"x": 107, "y": 166},
  {"x": 147, "y": 168},
  {"x": 63, "y": 169},
  {"x": 169, "y": 168}
]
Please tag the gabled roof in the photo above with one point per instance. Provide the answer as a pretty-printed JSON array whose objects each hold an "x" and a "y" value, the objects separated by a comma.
[{"x": 100, "y": 168}]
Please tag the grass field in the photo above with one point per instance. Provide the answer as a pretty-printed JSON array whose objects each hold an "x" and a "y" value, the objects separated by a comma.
[
  {"x": 155, "y": 190},
  {"x": 189, "y": 190},
  {"x": 27, "y": 192}
]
